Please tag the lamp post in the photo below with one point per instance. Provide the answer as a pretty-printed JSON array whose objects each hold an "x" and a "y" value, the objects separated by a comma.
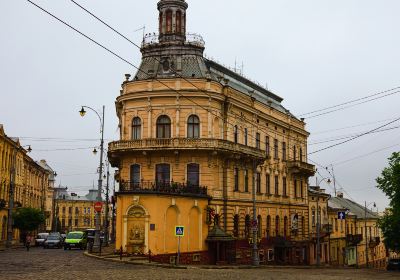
[
  {"x": 328, "y": 180},
  {"x": 17, "y": 148},
  {"x": 82, "y": 112},
  {"x": 366, "y": 232}
]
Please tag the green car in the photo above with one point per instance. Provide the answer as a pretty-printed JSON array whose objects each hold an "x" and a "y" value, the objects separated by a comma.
[{"x": 75, "y": 239}]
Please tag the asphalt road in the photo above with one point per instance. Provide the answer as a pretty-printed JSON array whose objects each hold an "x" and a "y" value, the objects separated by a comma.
[{"x": 57, "y": 264}]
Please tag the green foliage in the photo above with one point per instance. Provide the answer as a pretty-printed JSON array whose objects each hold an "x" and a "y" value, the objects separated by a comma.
[
  {"x": 389, "y": 183},
  {"x": 28, "y": 219}
]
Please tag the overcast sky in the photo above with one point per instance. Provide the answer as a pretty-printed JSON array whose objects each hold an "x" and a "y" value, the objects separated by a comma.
[{"x": 314, "y": 54}]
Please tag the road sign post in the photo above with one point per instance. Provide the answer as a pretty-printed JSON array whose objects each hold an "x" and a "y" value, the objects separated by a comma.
[{"x": 179, "y": 232}]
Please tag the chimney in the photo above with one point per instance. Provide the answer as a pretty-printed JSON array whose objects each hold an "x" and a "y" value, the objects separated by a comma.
[{"x": 340, "y": 195}]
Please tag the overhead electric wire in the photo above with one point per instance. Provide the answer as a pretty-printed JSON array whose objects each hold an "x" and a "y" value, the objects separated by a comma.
[
  {"x": 353, "y": 138},
  {"x": 352, "y": 101},
  {"x": 348, "y": 136}
]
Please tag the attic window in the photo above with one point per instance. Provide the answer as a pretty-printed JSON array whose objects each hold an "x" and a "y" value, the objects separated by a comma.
[{"x": 193, "y": 75}]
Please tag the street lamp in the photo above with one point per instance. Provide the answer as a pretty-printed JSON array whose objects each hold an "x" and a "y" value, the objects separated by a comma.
[
  {"x": 82, "y": 112},
  {"x": 366, "y": 232},
  {"x": 11, "y": 193},
  {"x": 328, "y": 180}
]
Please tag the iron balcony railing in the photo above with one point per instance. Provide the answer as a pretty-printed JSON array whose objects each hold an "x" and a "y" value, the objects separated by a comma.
[
  {"x": 169, "y": 188},
  {"x": 354, "y": 239}
]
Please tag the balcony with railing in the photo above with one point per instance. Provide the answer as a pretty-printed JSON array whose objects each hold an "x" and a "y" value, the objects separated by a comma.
[
  {"x": 374, "y": 241},
  {"x": 301, "y": 167},
  {"x": 353, "y": 239},
  {"x": 164, "y": 188},
  {"x": 205, "y": 144}
]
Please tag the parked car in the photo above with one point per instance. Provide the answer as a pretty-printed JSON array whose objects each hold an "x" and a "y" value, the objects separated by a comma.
[
  {"x": 75, "y": 239},
  {"x": 40, "y": 238},
  {"x": 393, "y": 264},
  {"x": 53, "y": 241}
]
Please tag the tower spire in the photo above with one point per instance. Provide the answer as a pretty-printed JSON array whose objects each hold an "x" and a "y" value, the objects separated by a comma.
[{"x": 172, "y": 20}]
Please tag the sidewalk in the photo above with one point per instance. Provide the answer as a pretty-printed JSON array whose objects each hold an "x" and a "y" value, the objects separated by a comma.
[{"x": 108, "y": 255}]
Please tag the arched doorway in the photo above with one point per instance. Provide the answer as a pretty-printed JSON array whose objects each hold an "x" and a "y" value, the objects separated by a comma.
[{"x": 136, "y": 231}]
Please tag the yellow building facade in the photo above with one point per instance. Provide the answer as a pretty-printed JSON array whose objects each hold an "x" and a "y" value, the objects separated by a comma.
[
  {"x": 31, "y": 182},
  {"x": 319, "y": 226},
  {"x": 357, "y": 239},
  {"x": 195, "y": 139},
  {"x": 73, "y": 212}
]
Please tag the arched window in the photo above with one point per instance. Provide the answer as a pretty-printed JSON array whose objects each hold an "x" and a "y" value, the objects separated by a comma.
[
  {"x": 285, "y": 226},
  {"x": 277, "y": 226},
  {"x": 313, "y": 216},
  {"x": 136, "y": 128},
  {"x": 135, "y": 175},
  {"x": 268, "y": 230},
  {"x": 193, "y": 127},
  {"x": 179, "y": 22},
  {"x": 301, "y": 155},
  {"x": 163, "y": 176},
  {"x": 163, "y": 127},
  {"x": 235, "y": 134},
  {"x": 247, "y": 226},
  {"x": 193, "y": 170},
  {"x": 236, "y": 225},
  {"x": 259, "y": 226},
  {"x": 169, "y": 21}
]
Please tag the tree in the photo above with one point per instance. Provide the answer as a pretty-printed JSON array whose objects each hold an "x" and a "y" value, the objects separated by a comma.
[
  {"x": 389, "y": 183},
  {"x": 28, "y": 219}
]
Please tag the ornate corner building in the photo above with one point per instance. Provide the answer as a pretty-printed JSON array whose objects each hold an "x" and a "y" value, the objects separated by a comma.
[{"x": 195, "y": 139}]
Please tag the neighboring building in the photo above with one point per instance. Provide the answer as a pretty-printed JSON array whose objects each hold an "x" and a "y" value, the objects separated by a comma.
[
  {"x": 30, "y": 180},
  {"x": 73, "y": 212},
  {"x": 194, "y": 138},
  {"x": 358, "y": 237},
  {"x": 49, "y": 193},
  {"x": 319, "y": 226}
]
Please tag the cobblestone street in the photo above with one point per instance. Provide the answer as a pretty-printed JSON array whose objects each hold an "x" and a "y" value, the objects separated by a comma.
[{"x": 60, "y": 264}]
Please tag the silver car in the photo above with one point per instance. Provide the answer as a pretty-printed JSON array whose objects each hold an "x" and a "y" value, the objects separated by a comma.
[{"x": 40, "y": 238}]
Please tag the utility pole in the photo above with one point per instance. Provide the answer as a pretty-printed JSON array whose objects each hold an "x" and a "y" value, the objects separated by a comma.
[
  {"x": 113, "y": 215},
  {"x": 255, "y": 259},
  {"x": 106, "y": 237}
]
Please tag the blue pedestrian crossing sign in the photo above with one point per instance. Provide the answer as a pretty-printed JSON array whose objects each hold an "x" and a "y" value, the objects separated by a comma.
[
  {"x": 341, "y": 215},
  {"x": 179, "y": 231}
]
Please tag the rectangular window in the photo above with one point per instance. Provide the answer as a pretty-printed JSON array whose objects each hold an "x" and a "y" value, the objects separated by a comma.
[
  {"x": 283, "y": 150},
  {"x": 236, "y": 175},
  {"x": 76, "y": 222},
  {"x": 70, "y": 210},
  {"x": 258, "y": 182},
  {"x": 284, "y": 185},
  {"x": 267, "y": 146},
  {"x": 246, "y": 180},
  {"x": 258, "y": 140},
  {"x": 193, "y": 171},
  {"x": 301, "y": 189},
  {"x": 275, "y": 148},
  {"x": 295, "y": 188},
  {"x": 268, "y": 183},
  {"x": 162, "y": 174},
  {"x": 135, "y": 175},
  {"x": 276, "y": 185},
  {"x": 245, "y": 136},
  {"x": 235, "y": 134}
]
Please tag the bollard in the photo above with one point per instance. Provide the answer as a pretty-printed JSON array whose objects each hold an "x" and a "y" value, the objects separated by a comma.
[{"x": 120, "y": 253}]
